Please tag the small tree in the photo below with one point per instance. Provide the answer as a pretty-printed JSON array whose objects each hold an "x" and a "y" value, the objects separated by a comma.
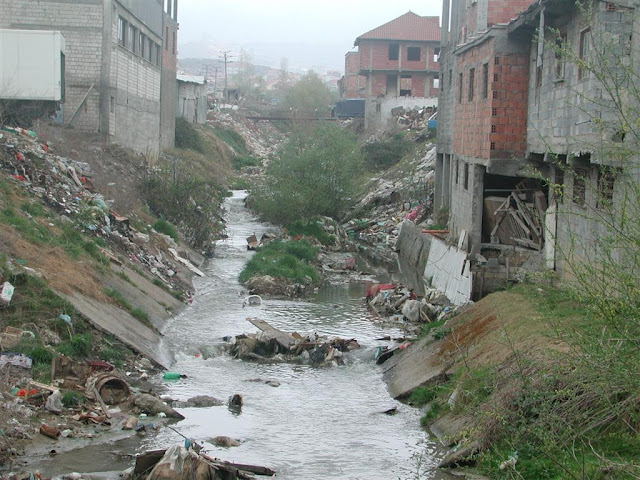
[
  {"x": 310, "y": 95},
  {"x": 315, "y": 173}
]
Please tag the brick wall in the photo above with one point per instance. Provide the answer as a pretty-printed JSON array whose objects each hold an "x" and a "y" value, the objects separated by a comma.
[
  {"x": 502, "y": 11},
  {"x": 493, "y": 127},
  {"x": 374, "y": 55},
  {"x": 354, "y": 85}
]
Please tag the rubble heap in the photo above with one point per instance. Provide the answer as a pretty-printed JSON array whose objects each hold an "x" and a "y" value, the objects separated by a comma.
[
  {"x": 271, "y": 345},
  {"x": 65, "y": 186},
  {"x": 416, "y": 118},
  {"x": 403, "y": 194}
]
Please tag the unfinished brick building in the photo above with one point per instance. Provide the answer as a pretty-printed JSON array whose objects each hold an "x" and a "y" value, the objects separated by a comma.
[
  {"x": 399, "y": 59},
  {"x": 513, "y": 109},
  {"x": 352, "y": 84}
]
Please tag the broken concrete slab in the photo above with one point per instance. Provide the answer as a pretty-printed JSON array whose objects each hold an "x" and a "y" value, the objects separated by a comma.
[{"x": 120, "y": 323}]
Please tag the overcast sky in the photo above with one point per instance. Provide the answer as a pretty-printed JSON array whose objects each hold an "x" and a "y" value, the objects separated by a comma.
[{"x": 323, "y": 30}]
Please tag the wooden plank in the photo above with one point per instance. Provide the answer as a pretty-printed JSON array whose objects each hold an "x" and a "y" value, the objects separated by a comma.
[{"x": 283, "y": 339}]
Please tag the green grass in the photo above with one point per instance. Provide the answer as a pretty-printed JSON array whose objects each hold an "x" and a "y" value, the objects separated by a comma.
[
  {"x": 233, "y": 139},
  {"x": 167, "y": 228},
  {"x": 310, "y": 228},
  {"x": 283, "y": 259},
  {"x": 78, "y": 346},
  {"x": 246, "y": 161},
  {"x": 117, "y": 296},
  {"x": 239, "y": 184},
  {"x": 71, "y": 399},
  {"x": 140, "y": 314}
]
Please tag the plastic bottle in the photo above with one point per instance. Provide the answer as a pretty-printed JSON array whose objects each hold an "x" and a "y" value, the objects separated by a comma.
[{"x": 171, "y": 375}]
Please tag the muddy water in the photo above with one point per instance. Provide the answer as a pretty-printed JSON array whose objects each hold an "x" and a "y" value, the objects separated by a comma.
[{"x": 320, "y": 422}]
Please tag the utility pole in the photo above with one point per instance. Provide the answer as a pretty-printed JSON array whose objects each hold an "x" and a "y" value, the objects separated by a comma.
[
  {"x": 215, "y": 82},
  {"x": 225, "y": 57}
]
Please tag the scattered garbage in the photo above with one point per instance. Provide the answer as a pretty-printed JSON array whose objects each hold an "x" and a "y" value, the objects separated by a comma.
[
  {"x": 15, "y": 359},
  {"x": 388, "y": 300},
  {"x": 273, "y": 345},
  {"x": 224, "y": 441},
  {"x": 6, "y": 293},
  {"x": 48, "y": 431},
  {"x": 54, "y": 402}
]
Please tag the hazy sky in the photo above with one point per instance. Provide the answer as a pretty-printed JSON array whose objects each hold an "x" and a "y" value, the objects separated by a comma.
[{"x": 271, "y": 29}]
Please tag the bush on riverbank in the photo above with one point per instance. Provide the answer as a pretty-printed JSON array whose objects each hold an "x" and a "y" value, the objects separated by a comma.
[
  {"x": 310, "y": 228},
  {"x": 315, "y": 173},
  {"x": 283, "y": 259}
]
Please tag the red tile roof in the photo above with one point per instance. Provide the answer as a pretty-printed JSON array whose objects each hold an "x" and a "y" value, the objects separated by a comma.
[{"x": 408, "y": 27}]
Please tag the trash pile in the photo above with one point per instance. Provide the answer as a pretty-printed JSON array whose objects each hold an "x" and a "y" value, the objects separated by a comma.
[
  {"x": 189, "y": 463},
  {"x": 390, "y": 300},
  {"x": 259, "y": 142},
  {"x": 271, "y": 345},
  {"x": 387, "y": 204},
  {"x": 416, "y": 118},
  {"x": 65, "y": 186}
]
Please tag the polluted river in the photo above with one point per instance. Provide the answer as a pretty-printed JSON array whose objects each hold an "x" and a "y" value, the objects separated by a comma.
[{"x": 320, "y": 422}]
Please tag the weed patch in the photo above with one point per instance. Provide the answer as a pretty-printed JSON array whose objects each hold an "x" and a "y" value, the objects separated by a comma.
[{"x": 283, "y": 259}]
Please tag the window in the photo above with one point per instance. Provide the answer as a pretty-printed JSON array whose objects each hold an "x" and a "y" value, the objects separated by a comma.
[
  {"x": 494, "y": 128},
  {"x": 175, "y": 41},
  {"x": 166, "y": 38},
  {"x": 485, "y": 80},
  {"x": 606, "y": 180},
  {"x": 413, "y": 54},
  {"x": 457, "y": 171},
  {"x": 472, "y": 76},
  {"x": 460, "y": 88},
  {"x": 405, "y": 85},
  {"x": 494, "y": 112},
  {"x": 585, "y": 45},
  {"x": 436, "y": 83},
  {"x": 580, "y": 176},
  {"x": 466, "y": 176},
  {"x": 142, "y": 45},
  {"x": 112, "y": 104},
  {"x": 492, "y": 146},
  {"x": 496, "y": 61},
  {"x": 561, "y": 43},
  {"x": 450, "y": 77},
  {"x": 394, "y": 51},
  {"x": 495, "y": 94},
  {"x": 122, "y": 31},
  {"x": 133, "y": 39},
  {"x": 152, "y": 52},
  {"x": 158, "y": 55}
]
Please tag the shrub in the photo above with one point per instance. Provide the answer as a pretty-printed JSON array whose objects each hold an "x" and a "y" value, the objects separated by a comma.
[
  {"x": 187, "y": 136},
  {"x": 167, "y": 228},
  {"x": 78, "y": 346},
  {"x": 71, "y": 399},
  {"x": 310, "y": 228},
  {"x": 246, "y": 161},
  {"x": 383, "y": 154},
  {"x": 315, "y": 173}
]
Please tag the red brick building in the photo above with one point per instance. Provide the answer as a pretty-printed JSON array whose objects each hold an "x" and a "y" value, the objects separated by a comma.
[
  {"x": 399, "y": 57},
  {"x": 482, "y": 110},
  {"x": 352, "y": 84}
]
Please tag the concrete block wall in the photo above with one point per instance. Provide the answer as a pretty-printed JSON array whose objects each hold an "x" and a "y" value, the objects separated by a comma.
[
  {"x": 561, "y": 107},
  {"x": 169, "y": 87},
  {"x": 466, "y": 204},
  {"x": 81, "y": 24}
]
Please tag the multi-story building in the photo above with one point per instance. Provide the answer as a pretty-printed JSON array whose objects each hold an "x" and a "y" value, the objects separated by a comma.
[
  {"x": 517, "y": 106},
  {"x": 399, "y": 60},
  {"x": 114, "y": 63},
  {"x": 352, "y": 84}
]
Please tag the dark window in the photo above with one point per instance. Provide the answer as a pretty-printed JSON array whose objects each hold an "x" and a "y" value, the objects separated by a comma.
[
  {"x": 158, "y": 54},
  {"x": 485, "y": 80},
  {"x": 460, "y": 88},
  {"x": 493, "y": 144},
  {"x": 494, "y": 129},
  {"x": 122, "y": 31},
  {"x": 112, "y": 104},
  {"x": 166, "y": 38},
  {"x": 175, "y": 41},
  {"x": 466, "y": 176},
  {"x": 133, "y": 39},
  {"x": 494, "y": 112},
  {"x": 585, "y": 46},
  {"x": 413, "y": 54},
  {"x": 495, "y": 94},
  {"x": 580, "y": 177},
  {"x": 450, "y": 77},
  {"x": 394, "y": 51},
  {"x": 495, "y": 77},
  {"x": 142, "y": 45},
  {"x": 472, "y": 77},
  {"x": 606, "y": 181},
  {"x": 496, "y": 61},
  {"x": 561, "y": 43},
  {"x": 457, "y": 171}
]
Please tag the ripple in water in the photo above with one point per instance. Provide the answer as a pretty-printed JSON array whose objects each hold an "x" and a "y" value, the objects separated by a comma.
[{"x": 321, "y": 422}]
